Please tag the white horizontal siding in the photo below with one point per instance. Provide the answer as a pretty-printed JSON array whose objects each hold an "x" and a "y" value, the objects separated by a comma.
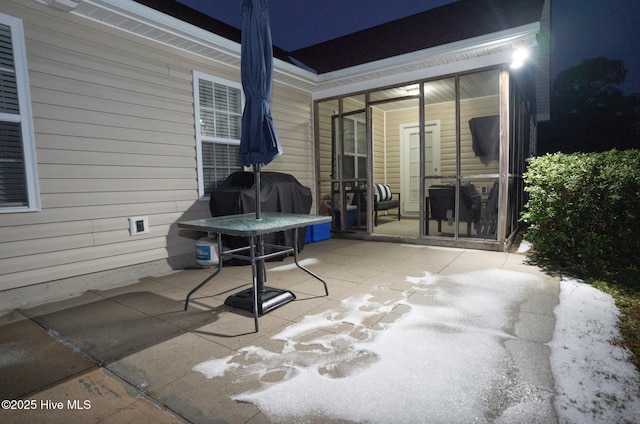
[
  {"x": 115, "y": 138},
  {"x": 33, "y": 276},
  {"x": 380, "y": 156},
  {"x": 394, "y": 121},
  {"x": 292, "y": 116},
  {"x": 111, "y": 172},
  {"x": 94, "y": 185}
]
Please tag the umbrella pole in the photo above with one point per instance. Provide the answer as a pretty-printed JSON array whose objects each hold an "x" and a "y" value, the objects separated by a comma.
[
  {"x": 260, "y": 241},
  {"x": 256, "y": 173}
]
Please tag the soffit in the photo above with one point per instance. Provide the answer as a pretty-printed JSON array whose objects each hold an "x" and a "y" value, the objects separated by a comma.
[{"x": 151, "y": 24}]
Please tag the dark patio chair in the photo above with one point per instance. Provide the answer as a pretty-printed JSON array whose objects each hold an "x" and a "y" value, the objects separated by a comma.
[{"x": 442, "y": 205}]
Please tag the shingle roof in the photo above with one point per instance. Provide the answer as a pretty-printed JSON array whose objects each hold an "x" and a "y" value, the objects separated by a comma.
[{"x": 446, "y": 24}]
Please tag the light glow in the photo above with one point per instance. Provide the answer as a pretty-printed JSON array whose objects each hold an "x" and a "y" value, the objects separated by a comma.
[{"x": 519, "y": 56}]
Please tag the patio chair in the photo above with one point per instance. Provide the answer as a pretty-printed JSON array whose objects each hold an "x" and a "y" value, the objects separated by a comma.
[
  {"x": 383, "y": 200},
  {"x": 442, "y": 202}
]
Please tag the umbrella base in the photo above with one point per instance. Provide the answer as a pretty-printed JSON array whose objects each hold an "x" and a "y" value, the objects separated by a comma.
[{"x": 268, "y": 299}]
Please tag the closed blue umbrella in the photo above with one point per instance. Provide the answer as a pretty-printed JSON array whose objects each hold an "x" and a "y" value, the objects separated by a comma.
[{"x": 259, "y": 144}]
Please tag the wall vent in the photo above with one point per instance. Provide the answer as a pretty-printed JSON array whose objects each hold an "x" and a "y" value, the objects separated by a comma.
[{"x": 138, "y": 225}]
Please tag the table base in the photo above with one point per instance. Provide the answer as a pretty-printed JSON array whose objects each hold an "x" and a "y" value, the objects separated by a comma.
[{"x": 269, "y": 299}]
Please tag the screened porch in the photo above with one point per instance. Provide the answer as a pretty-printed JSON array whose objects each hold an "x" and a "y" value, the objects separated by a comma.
[{"x": 436, "y": 162}]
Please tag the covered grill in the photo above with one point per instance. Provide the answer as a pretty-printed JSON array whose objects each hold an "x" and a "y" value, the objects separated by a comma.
[{"x": 279, "y": 193}]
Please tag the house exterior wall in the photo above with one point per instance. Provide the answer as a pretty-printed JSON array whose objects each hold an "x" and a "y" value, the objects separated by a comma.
[
  {"x": 380, "y": 145},
  {"x": 393, "y": 121},
  {"x": 115, "y": 138}
]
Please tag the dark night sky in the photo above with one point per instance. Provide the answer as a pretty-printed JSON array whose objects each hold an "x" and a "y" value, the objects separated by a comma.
[{"x": 581, "y": 29}]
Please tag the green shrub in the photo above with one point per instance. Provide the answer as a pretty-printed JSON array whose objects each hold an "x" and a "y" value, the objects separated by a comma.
[{"x": 583, "y": 210}]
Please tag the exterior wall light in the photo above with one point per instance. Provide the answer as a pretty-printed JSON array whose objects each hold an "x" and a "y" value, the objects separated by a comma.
[{"x": 519, "y": 56}]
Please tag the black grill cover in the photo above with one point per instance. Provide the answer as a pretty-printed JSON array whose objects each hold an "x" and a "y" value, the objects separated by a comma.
[{"x": 279, "y": 193}]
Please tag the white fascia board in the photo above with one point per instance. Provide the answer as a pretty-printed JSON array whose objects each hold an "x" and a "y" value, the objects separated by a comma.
[
  {"x": 350, "y": 80},
  {"x": 487, "y": 41},
  {"x": 122, "y": 14},
  {"x": 415, "y": 75},
  {"x": 151, "y": 17},
  {"x": 116, "y": 12},
  {"x": 287, "y": 69}
]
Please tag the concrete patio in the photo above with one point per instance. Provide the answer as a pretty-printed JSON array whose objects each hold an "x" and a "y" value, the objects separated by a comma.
[{"x": 128, "y": 354}]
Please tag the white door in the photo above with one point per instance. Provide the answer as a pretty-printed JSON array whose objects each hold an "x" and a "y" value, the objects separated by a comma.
[{"x": 411, "y": 162}]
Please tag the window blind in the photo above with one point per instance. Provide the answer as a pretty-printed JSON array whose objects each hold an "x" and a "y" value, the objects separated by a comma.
[
  {"x": 219, "y": 119},
  {"x": 13, "y": 185}
]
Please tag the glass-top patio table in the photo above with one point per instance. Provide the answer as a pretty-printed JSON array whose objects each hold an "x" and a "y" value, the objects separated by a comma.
[{"x": 258, "y": 299}]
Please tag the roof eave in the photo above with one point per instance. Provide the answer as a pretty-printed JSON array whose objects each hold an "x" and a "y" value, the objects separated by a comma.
[
  {"x": 486, "y": 50},
  {"x": 151, "y": 24},
  {"x": 466, "y": 54}
]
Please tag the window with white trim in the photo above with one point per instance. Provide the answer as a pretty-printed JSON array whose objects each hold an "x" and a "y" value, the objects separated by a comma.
[
  {"x": 18, "y": 166},
  {"x": 218, "y": 112}
]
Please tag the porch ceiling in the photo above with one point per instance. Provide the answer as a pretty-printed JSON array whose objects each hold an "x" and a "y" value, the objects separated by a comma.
[{"x": 475, "y": 85}]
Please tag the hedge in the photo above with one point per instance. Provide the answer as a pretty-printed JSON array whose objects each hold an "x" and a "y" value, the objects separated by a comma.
[{"x": 583, "y": 210}]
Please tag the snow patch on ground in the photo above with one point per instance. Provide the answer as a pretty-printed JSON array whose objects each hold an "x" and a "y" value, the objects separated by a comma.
[
  {"x": 595, "y": 383},
  {"x": 434, "y": 351},
  {"x": 437, "y": 352}
]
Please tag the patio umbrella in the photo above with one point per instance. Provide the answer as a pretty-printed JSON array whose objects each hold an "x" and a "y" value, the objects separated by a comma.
[{"x": 259, "y": 143}]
